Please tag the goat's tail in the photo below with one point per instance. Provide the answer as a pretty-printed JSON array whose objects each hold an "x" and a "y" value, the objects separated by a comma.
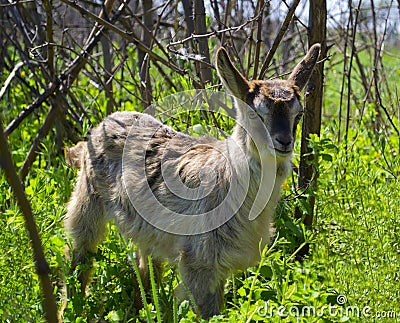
[
  {"x": 73, "y": 155},
  {"x": 86, "y": 218}
]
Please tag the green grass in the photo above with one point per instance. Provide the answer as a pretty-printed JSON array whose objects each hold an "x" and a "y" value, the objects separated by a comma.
[
  {"x": 358, "y": 226},
  {"x": 355, "y": 243}
]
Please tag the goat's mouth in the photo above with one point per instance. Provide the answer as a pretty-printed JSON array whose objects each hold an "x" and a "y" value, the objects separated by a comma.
[{"x": 282, "y": 153}]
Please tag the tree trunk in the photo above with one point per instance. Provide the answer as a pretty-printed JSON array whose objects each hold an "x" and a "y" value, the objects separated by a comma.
[
  {"x": 201, "y": 29},
  {"x": 312, "y": 116},
  {"x": 188, "y": 9},
  {"x": 143, "y": 58},
  {"x": 107, "y": 63}
]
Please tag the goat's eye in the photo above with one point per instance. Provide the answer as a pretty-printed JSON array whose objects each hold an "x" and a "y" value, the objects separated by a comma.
[{"x": 254, "y": 114}]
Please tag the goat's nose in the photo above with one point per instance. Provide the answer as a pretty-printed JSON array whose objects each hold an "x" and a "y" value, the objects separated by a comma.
[{"x": 285, "y": 141}]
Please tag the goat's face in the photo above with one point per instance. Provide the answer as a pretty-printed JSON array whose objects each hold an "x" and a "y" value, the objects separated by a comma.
[{"x": 277, "y": 104}]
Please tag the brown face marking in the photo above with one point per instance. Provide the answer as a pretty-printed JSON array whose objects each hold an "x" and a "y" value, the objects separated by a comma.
[
  {"x": 274, "y": 90},
  {"x": 279, "y": 90}
]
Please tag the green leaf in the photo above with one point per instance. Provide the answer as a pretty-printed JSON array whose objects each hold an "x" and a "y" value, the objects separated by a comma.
[
  {"x": 29, "y": 190},
  {"x": 115, "y": 316},
  {"x": 327, "y": 157},
  {"x": 242, "y": 292},
  {"x": 295, "y": 229},
  {"x": 266, "y": 271}
]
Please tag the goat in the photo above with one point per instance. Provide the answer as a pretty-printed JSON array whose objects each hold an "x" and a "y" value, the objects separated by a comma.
[{"x": 113, "y": 181}]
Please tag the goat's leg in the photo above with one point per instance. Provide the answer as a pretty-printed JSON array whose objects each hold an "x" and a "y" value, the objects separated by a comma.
[
  {"x": 86, "y": 223},
  {"x": 205, "y": 287},
  {"x": 144, "y": 272},
  {"x": 143, "y": 265}
]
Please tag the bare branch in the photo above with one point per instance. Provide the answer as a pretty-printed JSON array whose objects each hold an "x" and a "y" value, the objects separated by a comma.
[{"x": 278, "y": 38}]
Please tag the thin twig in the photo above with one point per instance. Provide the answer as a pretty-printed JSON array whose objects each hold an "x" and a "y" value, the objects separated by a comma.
[
  {"x": 131, "y": 36},
  {"x": 31, "y": 107},
  {"x": 260, "y": 6},
  {"x": 278, "y": 38},
  {"x": 212, "y": 33},
  {"x": 33, "y": 151},
  {"x": 69, "y": 74},
  {"x": 353, "y": 40},
  {"x": 10, "y": 78},
  {"x": 16, "y": 3}
]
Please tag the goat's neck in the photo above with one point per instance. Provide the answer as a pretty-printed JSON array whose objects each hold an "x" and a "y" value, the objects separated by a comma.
[{"x": 257, "y": 159}]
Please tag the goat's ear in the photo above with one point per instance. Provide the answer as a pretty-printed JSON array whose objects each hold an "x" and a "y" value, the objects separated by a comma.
[
  {"x": 235, "y": 82},
  {"x": 304, "y": 69}
]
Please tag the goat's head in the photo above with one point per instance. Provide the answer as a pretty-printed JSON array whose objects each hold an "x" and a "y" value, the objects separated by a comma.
[{"x": 275, "y": 102}]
